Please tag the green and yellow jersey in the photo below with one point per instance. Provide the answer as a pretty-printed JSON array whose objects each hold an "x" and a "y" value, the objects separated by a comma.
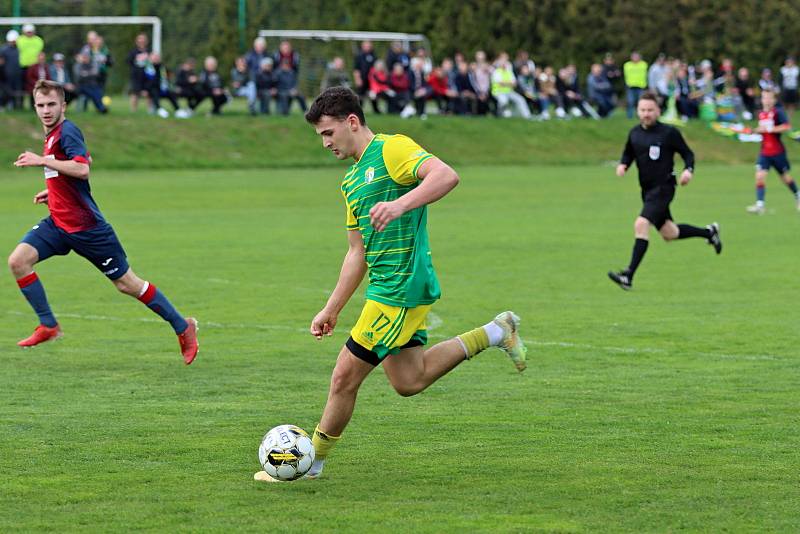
[{"x": 398, "y": 258}]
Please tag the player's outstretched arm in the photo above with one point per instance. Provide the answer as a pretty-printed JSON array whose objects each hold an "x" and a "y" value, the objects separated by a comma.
[
  {"x": 71, "y": 168},
  {"x": 437, "y": 178},
  {"x": 353, "y": 270}
]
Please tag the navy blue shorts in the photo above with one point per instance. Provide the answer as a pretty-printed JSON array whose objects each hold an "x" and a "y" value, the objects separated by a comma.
[
  {"x": 780, "y": 162},
  {"x": 99, "y": 245}
]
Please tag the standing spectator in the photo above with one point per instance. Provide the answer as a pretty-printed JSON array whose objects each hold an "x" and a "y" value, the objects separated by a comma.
[
  {"x": 745, "y": 87},
  {"x": 379, "y": 88},
  {"x": 503, "y": 89},
  {"x": 397, "y": 54},
  {"x": 466, "y": 97},
  {"x": 766, "y": 83},
  {"x": 266, "y": 88},
  {"x": 685, "y": 104},
  {"x": 99, "y": 54},
  {"x": 30, "y": 46},
  {"x": 335, "y": 75},
  {"x": 789, "y": 74},
  {"x": 286, "y": 53},
  {"x": 613, "y": 73},
  {"x": 240, "y": 83},
  {"x": 635, "y": 72},
  {"x": 12, "y": 69},
  {"x": 658, "y": 80},
  {"x": 87, "y": 79},
  {"x": 212, "y": 85},
  {"x": 601, "y": 92},
  {"x": 427, "y": 64},
  {"x": 401, "y": 85},
  {"x": 254, "y": 57},
  {"x": 137, "y": 60},
  {"x": 362, "y": 66},
  {"x": 420, "y": 89},
  {"x": 286, "y": 84},
  {"x": 34, "y": 73},
  {"x": 187, "y": 85}
]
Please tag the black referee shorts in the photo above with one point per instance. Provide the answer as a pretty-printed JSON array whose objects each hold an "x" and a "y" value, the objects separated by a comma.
[{"x": 656, "y": 204}]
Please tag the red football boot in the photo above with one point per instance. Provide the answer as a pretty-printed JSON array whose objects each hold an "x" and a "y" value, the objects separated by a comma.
[
  {"x": 188, "y": 341},
  {"x": 40, "y": 335}
]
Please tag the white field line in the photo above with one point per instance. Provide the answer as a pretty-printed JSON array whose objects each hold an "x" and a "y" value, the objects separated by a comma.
[{"x": 434, "y": 322}]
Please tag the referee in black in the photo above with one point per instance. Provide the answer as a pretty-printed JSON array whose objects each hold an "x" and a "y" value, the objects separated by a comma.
[{"x": 652, "y": 145}]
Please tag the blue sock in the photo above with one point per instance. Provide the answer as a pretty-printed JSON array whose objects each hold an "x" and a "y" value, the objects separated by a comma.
[
  {"x": 33, "y": 290},
  {"x": 760, "y": 192},
  {"x": 793, "y": 186},
  {"x": 156, "y": 301}
]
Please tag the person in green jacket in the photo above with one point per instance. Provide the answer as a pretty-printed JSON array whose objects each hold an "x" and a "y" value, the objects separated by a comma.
[{"x": 635, "y": 73}]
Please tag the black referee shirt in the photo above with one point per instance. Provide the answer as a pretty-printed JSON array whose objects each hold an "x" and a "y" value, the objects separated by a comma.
[{"x": 654, "y": 149}]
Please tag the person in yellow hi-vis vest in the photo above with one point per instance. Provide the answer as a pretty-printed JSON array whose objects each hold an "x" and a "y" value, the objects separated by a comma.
[{"x": 635, "y": 73}]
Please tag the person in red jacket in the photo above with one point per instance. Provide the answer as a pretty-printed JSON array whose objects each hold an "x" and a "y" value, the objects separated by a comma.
[
  {"x": 34, "y": 73},
  {"x": 379, "y": 86},
  {"x": 401, "y": 85}
]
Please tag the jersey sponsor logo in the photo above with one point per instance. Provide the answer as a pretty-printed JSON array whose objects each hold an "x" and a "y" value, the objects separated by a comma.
[
  {"x": 370, "y": 174},
  {"x": 655, "y": 152}
]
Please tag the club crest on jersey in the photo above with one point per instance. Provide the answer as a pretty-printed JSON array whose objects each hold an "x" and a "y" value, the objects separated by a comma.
[
  {"x": 370, "y": 174},
  {"x": 655, "y": 152}
]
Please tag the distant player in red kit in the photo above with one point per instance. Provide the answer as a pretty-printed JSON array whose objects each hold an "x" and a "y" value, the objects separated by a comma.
[{"x": 75, "y": 223}]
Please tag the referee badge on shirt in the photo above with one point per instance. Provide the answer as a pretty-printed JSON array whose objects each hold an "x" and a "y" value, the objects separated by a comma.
[{"x": 655, "y": 152}]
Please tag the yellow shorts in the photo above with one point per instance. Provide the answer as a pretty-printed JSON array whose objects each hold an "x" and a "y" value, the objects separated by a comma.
[{"x": 382, "y": 330}]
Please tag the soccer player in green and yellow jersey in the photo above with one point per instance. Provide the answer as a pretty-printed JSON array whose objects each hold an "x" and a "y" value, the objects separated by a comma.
[{"x": 386, "y": 192}]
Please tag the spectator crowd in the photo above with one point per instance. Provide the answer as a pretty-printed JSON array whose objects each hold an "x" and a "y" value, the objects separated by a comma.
[{"x": 404, "y": 82}]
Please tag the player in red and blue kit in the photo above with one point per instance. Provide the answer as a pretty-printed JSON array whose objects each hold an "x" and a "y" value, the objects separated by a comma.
[
  {"x": 772, "y": 121},
  {"x": 75, "y": 223}
]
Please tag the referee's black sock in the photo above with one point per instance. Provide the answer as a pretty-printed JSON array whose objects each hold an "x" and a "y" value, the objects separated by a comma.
[
  {"x": 639, "y": 248},
  {"x": 687, "y": 230}
]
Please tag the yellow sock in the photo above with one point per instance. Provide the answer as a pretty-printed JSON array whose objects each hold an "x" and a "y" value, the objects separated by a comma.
[
  {"x": 323, "y": 443},
  {"x": 474, "y": 341}
]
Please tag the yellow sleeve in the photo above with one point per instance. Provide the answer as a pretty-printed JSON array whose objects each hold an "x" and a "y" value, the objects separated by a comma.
[
  {"x": 403, "y": 158},
  {"x": 352, "y": 222}
]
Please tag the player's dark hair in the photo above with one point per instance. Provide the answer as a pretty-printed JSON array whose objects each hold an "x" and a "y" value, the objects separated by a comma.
[
  {"x": 46, "y": 87},
  {"x": 337, "y": 102},
  {"x": 647, "y": 95}
]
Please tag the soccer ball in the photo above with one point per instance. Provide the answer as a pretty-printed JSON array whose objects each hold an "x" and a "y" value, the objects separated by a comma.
[{"x": 286, "y": 452}]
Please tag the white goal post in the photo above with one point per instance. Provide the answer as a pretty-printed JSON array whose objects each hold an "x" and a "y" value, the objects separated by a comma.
[
  {"x": 155, "y": 22},
  {"x": 333, "y": 35}
]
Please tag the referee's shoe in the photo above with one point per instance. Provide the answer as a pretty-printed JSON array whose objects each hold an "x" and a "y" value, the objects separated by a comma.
[
  {"x": 714, "y": 238},
  {"x": 622, "y": 279}
]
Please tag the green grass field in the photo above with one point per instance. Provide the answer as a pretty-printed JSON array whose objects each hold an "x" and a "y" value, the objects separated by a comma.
[{"x": 672, "y": 407}]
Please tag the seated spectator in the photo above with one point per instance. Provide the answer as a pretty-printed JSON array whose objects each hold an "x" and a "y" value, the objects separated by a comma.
[
  {"x": 379, "y": 88},
  {"x": 240, "y": 83},
  {"x": 420, "y": 90},
  {"x": 60, "y": 75},
  {"x": 156, "y": 84},
  {"x": 440, "y": 88},
  {"x": 401, "y": 85},
  {"x": 187, "y": 84},
  {"x": 601, "y": 92},
  {"x": 212, "y": 85},
  {"x": 335, "y": 75},
  {"x": 570, "y": 94},
  {"x": 526, "y": 86},
  {"x": 38, "y": 71},
  {"x": 286, "y": 84},
  {"x": 422, "y": 55},
  {"x": 86, "y": 77},
  {"x": 766, "y": 83},
  {"x": 548, "y": 94},
  {"x": 504, "y": 85},
  {"x": 266, "y": 88},
  {"x": 465, "y": 94}
]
